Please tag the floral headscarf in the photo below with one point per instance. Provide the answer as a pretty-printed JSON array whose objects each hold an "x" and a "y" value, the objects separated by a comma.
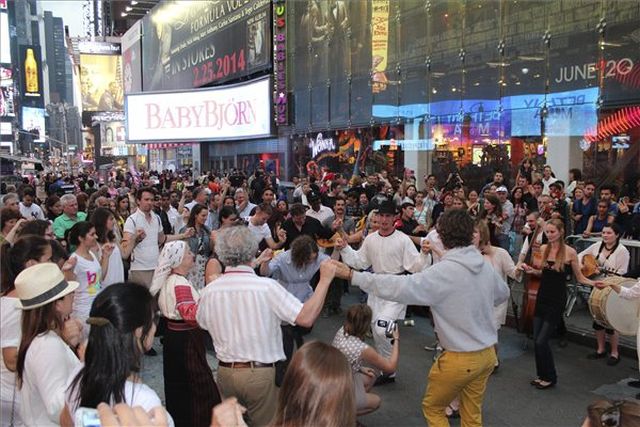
[{"x": 170, "y": 257}]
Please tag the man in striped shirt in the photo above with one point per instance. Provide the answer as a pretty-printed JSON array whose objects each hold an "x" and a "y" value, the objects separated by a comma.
[{"x": 243, "y": 313}]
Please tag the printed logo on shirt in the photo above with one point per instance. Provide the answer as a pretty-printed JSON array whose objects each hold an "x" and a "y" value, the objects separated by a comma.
[{"x": 93, "y": 283}]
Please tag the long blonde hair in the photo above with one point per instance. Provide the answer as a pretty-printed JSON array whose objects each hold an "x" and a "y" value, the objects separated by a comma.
[{"x": 561, "y": 256}]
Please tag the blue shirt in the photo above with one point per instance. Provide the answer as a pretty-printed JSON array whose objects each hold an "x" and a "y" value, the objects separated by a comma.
[
  {"x": 295, "y": 280},
  {"x": 579, "y": 208}
]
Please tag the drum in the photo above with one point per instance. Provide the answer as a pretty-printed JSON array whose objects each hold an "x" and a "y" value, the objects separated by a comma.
[{"x": 611, "y": 311}]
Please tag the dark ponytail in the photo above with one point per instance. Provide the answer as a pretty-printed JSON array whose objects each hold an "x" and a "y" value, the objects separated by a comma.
[
  {"x": 113, "y": 351},
  {"x": 79, "y": 229},
  {"x": 15, "y": 258}
]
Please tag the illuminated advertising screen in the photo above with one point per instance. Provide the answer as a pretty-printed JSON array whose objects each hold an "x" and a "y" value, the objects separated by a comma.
[
  {"x": 33, "y": 121},
  {"x": 189, "y": 44},
  {"x": 31, "y": 73},
  {"x": 227, "y": 112},
  {"x": 132, "y": 59},
  {"x": 5, "y": 41},
  {"x": 101, "y": 76}
]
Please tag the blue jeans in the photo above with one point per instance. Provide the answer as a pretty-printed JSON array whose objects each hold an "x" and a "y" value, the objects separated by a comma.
[{"x": 543, "y": 329}]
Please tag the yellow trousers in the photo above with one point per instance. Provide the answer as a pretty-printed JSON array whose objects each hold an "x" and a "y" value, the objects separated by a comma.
[{"x": 458, "y": 373}]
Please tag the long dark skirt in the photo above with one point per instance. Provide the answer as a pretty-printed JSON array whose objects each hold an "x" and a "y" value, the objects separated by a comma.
[{"x": 189, "y": 389}]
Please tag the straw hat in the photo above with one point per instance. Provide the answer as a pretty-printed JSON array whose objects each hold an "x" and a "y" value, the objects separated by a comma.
[{"x": 41, "y": 284}]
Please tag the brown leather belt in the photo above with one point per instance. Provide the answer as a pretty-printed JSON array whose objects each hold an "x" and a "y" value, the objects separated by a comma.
[{"x": 239, "y": 365}]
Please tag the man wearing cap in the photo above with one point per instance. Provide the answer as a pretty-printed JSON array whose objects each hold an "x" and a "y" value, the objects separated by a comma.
[
  {"x": 508, "y": 214},
  {"x": 408, "y": 225},
  {"x": 386, "y": 251},
  {"x": 318, "y": 210}
]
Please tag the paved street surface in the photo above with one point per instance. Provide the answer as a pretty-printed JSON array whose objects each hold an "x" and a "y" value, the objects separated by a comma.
[{"x": 509, "y": 401}]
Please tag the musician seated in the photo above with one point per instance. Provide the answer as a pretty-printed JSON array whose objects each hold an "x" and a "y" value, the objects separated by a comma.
[{"x": 607, "y": 257}]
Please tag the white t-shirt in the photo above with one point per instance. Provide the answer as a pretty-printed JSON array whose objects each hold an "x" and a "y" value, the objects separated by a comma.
[
  {"x": 47, "y": 367},
  {"x": 146, "y": 253},
  {"x": 89, "y": 276},
  {"x": 32, "y": 212},
  {"x": 135, "y": 394},
  {"x": 324, "y": 214},
  {"x": 10, "y": 331},
  {"x": 260, "y": 231}
]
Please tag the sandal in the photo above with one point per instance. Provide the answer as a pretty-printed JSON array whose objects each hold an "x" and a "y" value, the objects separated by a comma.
[
  {"x": 535, "y": 382},
  {"x": 541, "y": 386},
  {"x": 455, "y": 413}
]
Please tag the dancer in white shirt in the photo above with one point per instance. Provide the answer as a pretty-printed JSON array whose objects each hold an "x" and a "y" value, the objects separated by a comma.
[{"x": 385, "y": 251}]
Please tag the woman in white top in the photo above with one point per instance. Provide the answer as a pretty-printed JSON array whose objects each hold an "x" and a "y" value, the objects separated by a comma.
[
  {"x": 612, "y": 258},
  {"x": 350, "y": 341},
  {"x": 105, "y": 224},
  {"x": 122, "y": 330},
  {"x": 88, "y": 270},
  {"x": 27, "y": 251},
  {"x": 500, "y": 260},
  {"x": 45, "y": 360},
  {"x": 189, "y": 389}
]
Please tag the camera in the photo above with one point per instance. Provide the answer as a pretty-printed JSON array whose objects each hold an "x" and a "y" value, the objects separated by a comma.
[{"x": 391, "y": 326}]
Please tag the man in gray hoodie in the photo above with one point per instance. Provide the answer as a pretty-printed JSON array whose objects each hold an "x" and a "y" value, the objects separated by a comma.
[{"x": 461, "y": 290}]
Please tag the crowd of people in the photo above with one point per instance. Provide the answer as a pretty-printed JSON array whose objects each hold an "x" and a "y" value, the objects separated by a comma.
[{"x": 93, "y": 268}]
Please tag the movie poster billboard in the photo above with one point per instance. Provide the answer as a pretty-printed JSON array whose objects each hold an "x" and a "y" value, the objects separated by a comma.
[
  {"x": 189, "y": 44},
  {"x": 101, "y": 76},
  {"x": 132, "y": 59}
]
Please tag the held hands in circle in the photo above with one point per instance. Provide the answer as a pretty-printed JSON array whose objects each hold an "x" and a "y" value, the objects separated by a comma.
[{"x": 342, "y": 270}]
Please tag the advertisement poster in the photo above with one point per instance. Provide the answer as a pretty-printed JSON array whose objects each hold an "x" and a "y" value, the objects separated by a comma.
[
  {"x": 379, "y": 44},
  {"x": 101, "y": 76},
  {"x": 132, "y": 58},
  {"x": 31, "y": 62},
  {"x": 5, "y": 41},
  {"x": 188, "y": 44},
  {"x": 112, "y": 141},
  {"x": 229, "y": 112},
  {"x": 33, "y": 121},
  {"x": 7, "y": 108}
]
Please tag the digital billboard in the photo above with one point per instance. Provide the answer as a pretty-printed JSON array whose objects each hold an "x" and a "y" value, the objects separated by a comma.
[
  {"x": 228, "y": 112},
  {"x": 5, "y": 41},
  {"x": 132, "y": 59},
  {"x": 33, "y": 121},
  {"x": 31, "y": 73},
  {"x": 189, "y": 44},
  {"x": 101, "y": 76}
]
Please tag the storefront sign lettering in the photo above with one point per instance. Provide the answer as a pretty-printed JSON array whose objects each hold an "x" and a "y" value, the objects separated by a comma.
[
  {"x": 321, "y": 144},
  {"x": 281, "y": 104}
]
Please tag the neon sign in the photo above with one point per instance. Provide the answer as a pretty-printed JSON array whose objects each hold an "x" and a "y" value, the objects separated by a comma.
[{"x": 281, "y": 104}]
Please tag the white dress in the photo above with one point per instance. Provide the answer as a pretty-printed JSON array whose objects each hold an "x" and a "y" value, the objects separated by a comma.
[{"x": 10, "y": 331}]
